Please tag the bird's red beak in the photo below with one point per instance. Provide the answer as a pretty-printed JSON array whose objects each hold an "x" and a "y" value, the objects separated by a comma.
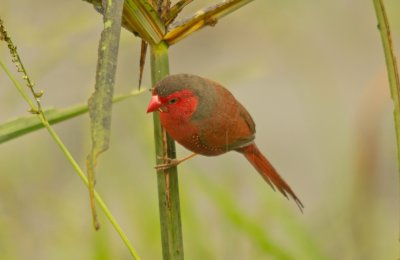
[{"x": 154, "y": 104}]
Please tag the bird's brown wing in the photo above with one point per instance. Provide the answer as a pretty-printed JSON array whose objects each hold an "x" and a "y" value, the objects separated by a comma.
[
  {"x": 228, "y": 128},
  {"x": 244, "y": 114}
]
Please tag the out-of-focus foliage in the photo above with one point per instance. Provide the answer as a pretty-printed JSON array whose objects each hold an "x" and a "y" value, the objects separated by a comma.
[{"x": 311, "y": 73}]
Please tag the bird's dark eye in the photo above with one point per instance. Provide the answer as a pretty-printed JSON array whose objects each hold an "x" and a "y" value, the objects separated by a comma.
[{"x": 173, "y": 101}]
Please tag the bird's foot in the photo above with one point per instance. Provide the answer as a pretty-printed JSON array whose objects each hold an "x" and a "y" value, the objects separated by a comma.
[
  {"x": 171, "y": 162},
  {"x": 168, "y": 163}
]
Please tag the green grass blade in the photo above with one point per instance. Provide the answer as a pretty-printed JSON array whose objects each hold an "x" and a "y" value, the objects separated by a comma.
[
  {"x": 176, "y": 9},
  {"x": 24, "y": 125},
  {"x": 207, "y": 16},
  {"x": 391, "y": 65},
  {"x": 141, "y": 18},
  {"x": 100, "y": 103}
]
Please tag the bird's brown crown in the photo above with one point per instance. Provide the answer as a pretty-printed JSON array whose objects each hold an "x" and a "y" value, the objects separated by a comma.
[{"x": 177, "y": 82}]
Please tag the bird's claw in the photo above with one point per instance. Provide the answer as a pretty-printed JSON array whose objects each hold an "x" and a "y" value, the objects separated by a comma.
[{"x": 168, "y": 164}]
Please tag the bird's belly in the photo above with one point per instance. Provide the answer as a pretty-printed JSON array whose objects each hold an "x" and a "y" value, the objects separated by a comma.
[
  {"x": 187, "y": 135},
  {"x": 190, "y": 139}
]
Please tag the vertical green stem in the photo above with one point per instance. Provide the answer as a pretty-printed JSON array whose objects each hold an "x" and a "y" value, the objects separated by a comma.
[
  {"x": 168, "y": 190},
  {"x": 391, "y": 65}
]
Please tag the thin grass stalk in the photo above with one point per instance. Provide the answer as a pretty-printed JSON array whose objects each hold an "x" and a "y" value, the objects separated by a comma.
[
  {"x": 97, "y": 197},
  {"x": 393, "y": 76},
  {"x": 168, "y": 190},
  {"x": 72, "y": 161}
]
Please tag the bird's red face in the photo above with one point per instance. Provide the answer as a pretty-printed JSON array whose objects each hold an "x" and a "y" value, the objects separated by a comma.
[{"x": 178, "y": 105}]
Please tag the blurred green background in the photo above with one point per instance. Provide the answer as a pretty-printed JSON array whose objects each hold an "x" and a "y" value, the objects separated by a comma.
[{"x": 311, "y": 73}]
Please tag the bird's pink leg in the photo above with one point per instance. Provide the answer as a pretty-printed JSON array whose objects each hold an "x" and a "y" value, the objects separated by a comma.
[{"x": 173, "y": 162}]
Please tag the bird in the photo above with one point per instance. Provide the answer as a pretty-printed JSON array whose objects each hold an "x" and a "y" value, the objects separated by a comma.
[{"x": 205, "y": 118}]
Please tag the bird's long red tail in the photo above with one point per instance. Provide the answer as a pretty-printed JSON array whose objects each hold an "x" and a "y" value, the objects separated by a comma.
[{"x": 267, "y": 171}]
